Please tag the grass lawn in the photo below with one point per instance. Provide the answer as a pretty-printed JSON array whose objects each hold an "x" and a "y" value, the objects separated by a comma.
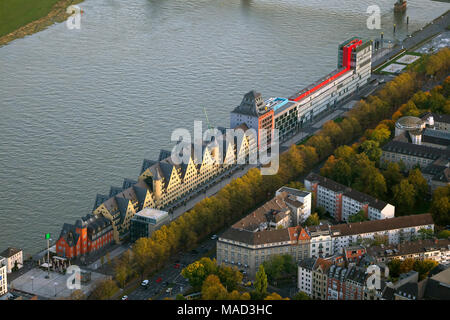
[{"x": 17, "y": 13}]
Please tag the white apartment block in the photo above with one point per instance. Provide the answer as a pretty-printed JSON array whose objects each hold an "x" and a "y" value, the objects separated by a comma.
[
  {"x": 3, "y": 277},
  {"x": 321, "y": 242},
  {"x": 342, "y": 202},
  {"x": 305, "y": 275},
  {"x": 396, "y": 230},
  {"x": 13, "y": 257}
]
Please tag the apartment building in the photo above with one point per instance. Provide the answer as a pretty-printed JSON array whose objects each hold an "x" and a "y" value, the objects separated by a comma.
[
  {"x": 3, "y": 277},
  {"x": 395, "y": 230},
  {"x": 342, "y": 202},
  {"x": 164, "y": 184},
  {"x": 305, "y": 275},
  {"x": 433, "y": 249},
  {"x": 255, "y": 114},
  {"x": 353, "y": 71},
  {"x": 299, "y": 202},
  {"x": 321, "y": 243},
  {"x": 320, "y": 278},
  {"x": 13, "y": 258},
  {"x": 267, "y": 231},
  {"x": 288, "y": 115}
]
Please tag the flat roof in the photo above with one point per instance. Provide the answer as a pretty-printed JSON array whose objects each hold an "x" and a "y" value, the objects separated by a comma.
[{"x": 151, "y": 213}]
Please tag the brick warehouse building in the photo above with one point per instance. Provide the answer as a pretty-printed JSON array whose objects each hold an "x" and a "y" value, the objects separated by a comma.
[{"x": 89, "y": 234}]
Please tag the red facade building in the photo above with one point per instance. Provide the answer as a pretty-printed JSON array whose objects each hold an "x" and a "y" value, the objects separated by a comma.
[{"x": 89, "y": 234}]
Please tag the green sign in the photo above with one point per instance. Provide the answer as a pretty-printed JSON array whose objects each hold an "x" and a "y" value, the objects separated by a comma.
[{"x": 47, "y": 236}]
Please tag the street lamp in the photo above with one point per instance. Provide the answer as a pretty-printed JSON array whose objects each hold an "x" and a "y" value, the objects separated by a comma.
[
  {"x": 56, "y": 283},
  {"x": 32, "y": 284},
  {"x": 47, "y": 237}
]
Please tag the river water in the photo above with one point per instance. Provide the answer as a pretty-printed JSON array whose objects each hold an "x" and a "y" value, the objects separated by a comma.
[{"x": 80, "y": 109}]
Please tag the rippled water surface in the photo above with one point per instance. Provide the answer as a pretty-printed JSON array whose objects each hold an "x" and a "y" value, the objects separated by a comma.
[{"x": 80, "y": 109}]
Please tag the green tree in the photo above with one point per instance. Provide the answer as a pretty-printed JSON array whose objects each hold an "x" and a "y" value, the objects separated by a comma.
[
  {"x": 420, "y": 184},
  {"x": 444, "y": 234},
  {"x": 360, "y": 216},
  {"x": 426, "y": 233},
  {"x": 404, "y": 196},
  {"x": 394, "y": 268},
  {"x": 301, "y": 296},
  {"x": 372, "y": 149},
  {"x": 440, "y": 205},
  {"x": 261, "y": 282},
  {"x": 312, "y": 220},
  {"x": 198, "y": 271},
  {"x": 180, "y": 297},
  {"x": 392, "y": 175},
  {"x": 423, "y": 267}
]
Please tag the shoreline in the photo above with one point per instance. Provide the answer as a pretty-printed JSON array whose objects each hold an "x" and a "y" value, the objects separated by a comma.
[{"x": 57, "y": 14}]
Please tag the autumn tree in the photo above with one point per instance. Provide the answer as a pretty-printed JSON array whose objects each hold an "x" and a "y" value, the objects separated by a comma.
[
  {"x": 275, "y": 296},
  {"x": 104, "y": 290},
  {"x": 212, "y": 289}
]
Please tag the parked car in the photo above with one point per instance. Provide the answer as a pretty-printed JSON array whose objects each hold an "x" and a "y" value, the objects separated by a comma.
[
  {"x": 125, "y": 298},
  {"x": 145, "y": 283},
  {"x": 214, "y": 237}
]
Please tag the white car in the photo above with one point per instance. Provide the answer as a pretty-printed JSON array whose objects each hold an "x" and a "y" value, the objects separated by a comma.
[
  {"x": 214, "y": 237},
  {"x": 144, "y": 283},
  {"x": 125, "y": 298}
]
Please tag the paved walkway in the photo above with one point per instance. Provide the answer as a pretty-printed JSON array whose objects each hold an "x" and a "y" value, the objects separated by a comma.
[{"x": 34, "y": 282}]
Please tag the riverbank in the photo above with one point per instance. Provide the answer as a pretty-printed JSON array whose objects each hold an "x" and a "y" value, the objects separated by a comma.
[{"x": 39, "y": 15}]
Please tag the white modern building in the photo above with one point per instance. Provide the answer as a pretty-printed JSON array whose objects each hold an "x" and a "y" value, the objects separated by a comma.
[
  {"x": 342, "y": 202},
  {"x": 3, "y": 277},
  {"x": 321, "y": 242},
  {"x": 305, "y": 275},
  {"x": 13, "y": 257},
  {"x": 395, "y": 230}
]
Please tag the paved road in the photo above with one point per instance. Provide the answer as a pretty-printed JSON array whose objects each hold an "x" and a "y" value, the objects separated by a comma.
[{"x": 171, "y": 276}]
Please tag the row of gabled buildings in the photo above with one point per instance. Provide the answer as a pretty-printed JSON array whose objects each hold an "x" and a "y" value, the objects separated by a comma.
[{"x": 161, "y": 185}]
